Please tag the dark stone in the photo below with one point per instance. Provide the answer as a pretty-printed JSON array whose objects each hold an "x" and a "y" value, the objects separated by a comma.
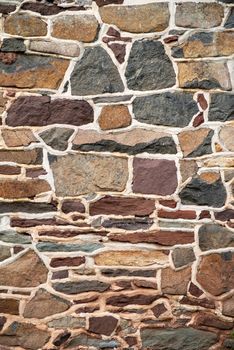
[
  {"x": 86, "y": 341},
  {"x": 61, "y": 338},
  {"x": 76, "y": 261},
  {"x": 199, "y": 192},
  {"x": 228, "y": 344},
  {"x": 95, "y": 74},
  {"x": 60, "y": 275},
  {"x": 119, "y": 51},
  {"x": 182, "y": 256},
  {"x": 149, "y": 68},
  {"x": 225, "y": 215},
  {"x": 27, "y": 157},
  {"x": 2, "y": 321},
  {"x": 159, "y": 309},
  {"x": 46, "y": 9},
  {"x": 6, "y": 8},
  {"x": 125, "y": 300},
  {"x": 69, "y": 247},
  {"x": 27, "y": 207},
  {"x": 169, "y": 109},
  {"x": 9, "y": 306},
  {"x": 230, "y": 20},
  {"x": 221, "y": 107},
  {"x": 210, "y": 320},
  {"x": 72, "y": 205},
  {"x": 81, "y": 287},
  {"x": 204, "y": 147},
  {"x": 130, "y": 273},
  {"x": 107, "y": 2},
  {"x": 57, "y": 138},
  {"x": 174, "y": 339},
  {"x": 129, "y": 224},
  {"x": 112, "y": 99},
  {"x": 15, "y": 45},
  {"x": 102, "y": 325},
  {"x": 213, "y": 236},
  {"x": 203, "y": 302}
]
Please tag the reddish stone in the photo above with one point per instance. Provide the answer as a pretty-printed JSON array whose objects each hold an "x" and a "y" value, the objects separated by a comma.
[
  {"x": 59, "y": 233},
  {"x": 225, "y": 215},
  {"x": 9, "y": 170},
  {"x": 8, "y": 57},
  {"x": 57, "y": 262},
  {"x": 159, "y": 309},
  {"x": 198, "y": 120},
  {"x": 34, "y": 173},
  {"x": 202, "y": 101},
  {"x": 175, "y": 282},
  {"x": 205, "y": 214},
  {"x": 48, "y": 9},
  {"x": 17, "y": 222},
  {"x": 87, "y": 309},
  {"x": 107, "y": 2},
  {"x": 17, "y": 249},
  {"x": 131, "y": 340},
  {"x": 170, "y": 203},
  {"x": 72, "y": 205},
  {"x": 119, "y": 51},
  {"x": 102, "y": 325},
  {"x": 113, "y": 32},
  {"x": 211, "y": 320},
  {"x": 204, "y": 302},
  {"x": 60, "y": 275},
  {"x": 171, "y": 39},
  {"x": 179, "y": 214},
  {"x": 145, "y": 284},
  {"x": 122, "y": 300},
  {"x": 154, "y": 176},
  {"x": 194, "y": 290},
  {"x": 7, "y": 8}
]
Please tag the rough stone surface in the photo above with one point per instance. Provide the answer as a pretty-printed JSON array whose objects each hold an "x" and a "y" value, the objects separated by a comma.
[
  {"x": 221, "y": 107},
  {"x": 22, "y": 189},
  {"x": 196, "y": 143},
  {"x": 25, "y": 25},
  {"x": 49, "y": 46},
  {"x": 81, "y": 287},
  {"x": 27, "y": 157},
  {"x": 228, "y": 307},
  {"x": 16, "y": 45},
  {"x": 102, "y": 325},
  {"x": 57, "y": 138},
  {"x": 230, "y": 20},
  {"x": 213, "y": 236},
  {"x": 5, "y": 252},
  {"x": 175, "y": 282},
  {"x": 9, "y": 306},
  {"x": 183, "y": 256},
  {"x": 226, "y": 137},
  {"x": 114, "y": 117}
]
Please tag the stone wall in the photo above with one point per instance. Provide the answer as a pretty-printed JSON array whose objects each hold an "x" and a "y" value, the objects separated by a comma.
[{"x": 116, "y": 174}]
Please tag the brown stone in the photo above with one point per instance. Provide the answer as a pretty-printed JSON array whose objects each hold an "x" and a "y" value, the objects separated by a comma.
[
  {"x": 8, "y": 58},
  {"x": 175, "y": 282},
  {"x": 215, "y": 273},
  {"x": 26, "y": 272},
  {"x": 182, "y": 256},
  {"x": 122, "y": 206},
  {"x": 159, "y": 309},
  {"x": 27, "y": 157},
  {"x": 154, "y": 176},
  {"x": 18, "y": 137},
  {"x": 9, "y": 170},
  {"x": 203, "y": 302},
  {"x": 170, "y": 203},
  {"x": 137, "y": 19},
  {"x": 191, "y": 140},
  {"x": 226, "y": 136},
  {"x": 102, "y": 325},
  {"x": 145, "y": 284},
  {"x": 9, "y": 306},
  {"x": 228, "y": 307},
  {"x": 188, "y": 168},
  {"x": 72, "y": 205},
  {"x": 210, "y": 320},
  {"x": 25, "y": 24},
  {"x": 34, "y": 173},
  {"x": 179, "y": 214},
  {"x": 76, "y": 27},
  {"x": 7, "y": 8},
  {"x": 22, "y": 189},
  {"x": 57, "y": 262},
  {"x": 194, "y": 290},
  {"x": 114, "y": 117},
  {"x": 122, "y": 300},
  {"x": 107, "y": 2},
  {"x": 5, "y": 252}
]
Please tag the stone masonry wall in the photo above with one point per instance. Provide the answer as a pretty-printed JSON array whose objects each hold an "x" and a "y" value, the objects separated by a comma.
[{"x": 117, "y": 174}]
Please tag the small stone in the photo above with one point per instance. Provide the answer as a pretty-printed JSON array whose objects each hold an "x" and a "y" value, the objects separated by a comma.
[
  {"x": 104, "y": 79},
  {"x": 81, "y": 287},
  {"x": 204, "y": 75},
  {"x": 226, "y": 137},
  {"x": 27, "y": 207},
  {"x": 59, "y": 275},
  {"x": 179, "y": 214},
  {"x": 228, "y": 307},
  {"x": 27, "y": 157},
  {"x": 15, "y": 45},
  {"x": 202, "y": 101},
  {"x": 137, "y": 19},
  {"x": 210, "y": 320},
  {"x": 9, "y": 306},
  {"x": 5, "y": 252},
  {"x": 198, "y": 120},
  {"x": 107, "y": 2},
  {"x": 86, "y": 340},
  {"x": 221, "y": 107},
  {"x": 122, "y": 300},
  {"x": 213, "y": 236},
  {"x": 18, "y": 137},
  {"x": 225, "y": 215},
  {"x": 203, "y": 302},
  {"x": 58, "y": 48},
  {"x": 188, "y": 168},
  {"x": 61, "y": 338},
  {"x": 57, "y": 138},
  {"x": 229, "y": 24},
  {"x": 58, "y": 262},
  {"x": 175, "y": 282},
  {"x": 47, "y": 8},
  {"x": 156, "y": 176},
  {"x": 116, "y": 272},
  {"x": 159, "y": 309},
  {"x": 119, "y": 51},
  {"x": 196, "y": 143},
  {"x": 75, "y": 27},
  {"x": 6, "y": 8},
  {"x": 102, "y": 325},
  {"x": 114, "y": 117},
  {"x": 68, "y": 247},
  {"x": 129, "y": 224},
  {"x": 24, "y": 24},
  {"x": 22, "y": 189},
  {"x": 183, "y": 256}
]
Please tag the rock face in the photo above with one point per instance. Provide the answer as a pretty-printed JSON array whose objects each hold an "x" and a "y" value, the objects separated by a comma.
[
  {"x": 22, "y": 189},
  {"x": 196, "y": 143},
  {"x": 57, "y": 138},
  {"x": 25, "y": 25},
  {"x": 175, "y": 282},
  {"x": 221, "y": 107},
  {"x": 212, "y": 236}
]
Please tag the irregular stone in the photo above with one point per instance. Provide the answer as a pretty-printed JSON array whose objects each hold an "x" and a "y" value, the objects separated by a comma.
[
  {"x": 112, "y": 99},
  {"x": 44, "y": 304},
  {"x": 76, "y": 174},
  {"x": 24, "y": 24},
  {"x": 210, "y": 320},
  {"x": 202, "y": 101},
  {"x": 228, "y": 307},
  {"x": 196, "y": 143},
  {"x": 57, "y": 138},
  {"x": 182, "y": 257},
  {"x": 18, "y": 137},
  {"x": 47, "y": 8},
  {"x": 6, "y": 8},
  {"x": 22, "y": 189},
  {"x": 188, "y": 168},
  {"x": 179, "y": 214},
  {"x": 82, "y": 27},
  {"x": 27, "y": 157},
  {"x": 5, "y": 252},
  {"x": 226, "y": 137},
  {"x": 59, "y": 275},
  {"x": 73, "y": 287},
  {"x": 27, "y": 207},
  {"x": 33, "y": 71},
  {"x": 70, "y": 206},
  {"x": 49, "y": 46},
  {"x": 154, "y": 176},
  {"x": 175, "y": 282},
  {"x": 102, "y": 325},
  {"x": 61, "y": 338},
  {"x": 85, "y": 340},
  {"x": 25, "y": 335},
  {"x": 215, "y": 273},
  {"x": 105, "y": 78},
  {"x": 179, "y": 338},
  {"x": 41, "y": 111},
  {"x": 213, "y": 236},
  {"x": 68, "y": 247},
  {"x": 9, "y": 306},
  {"x": 169, "y": 109},
  {"x": 26, "y": 272},
  {"x": 122, "y": 206},
  {"x": 107, "y": 2},
  {"x": 159, "y": 309},
  {"x": 137, "y": 19},
  {"x": 115, "y": 272},
  {"x": 67, "y": 322},
  {"x": 114, "y": 117},
  {"x": 119, "y": 51},
  {"x": 129, "y": 224},
  {"x": 199, "y": 191},
  {"x": 57, "y": 262},
  {"x": 225, "y": 215},
  {"x": 13, "y": 44},
  {"x": 199, "y": 15},
  {"x": 221, "y": 107},
  {"x": 123, "y": 300},
  {"x": 131, "y": 258},
  {"x": 203, "y": 302},
  {"x": 230, "y": 19},
  {"x": 10, "y": 236},
  {"x": 222, "y": 162},
  {"x": 198, "y": 120}
]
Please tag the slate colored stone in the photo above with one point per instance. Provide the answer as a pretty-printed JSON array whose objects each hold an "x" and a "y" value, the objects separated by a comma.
[
  {"x": 102, "y": 325},
  {"x": 6, "y": 8},
  {"x": 68, "y": 247},
  {"x": 129, "y": 224},
  {"x": 169, "y": 109},
  {"x": 182, "y": 256},
  {"x": 5, "y": 252},
  {"x": 228, "y": 307},
  {"x": 126, "y": 272},
  {"x": 67, "y": 322},
  {"x": 9, "y": 306},
  {"x": 95, "y": 74},
  {"x": 229, "y": 24},
  {"x": 10, "y": 236},
  {"x": 57, "y": 138},
  {"x": 24, "y": 24},
  {"x": 86, "y": 340},
  {"x": 15, "y": 45},
  {"x": 81, "y": 287},
  {"x": 123, "y": 300},
  {"x": 70, "y": 206},
  {"x": 213, "y": 236},
  {"x": 149, "y": 68},
  {"x": 27, "y": 207},
  {"x": 179, "y": 338},
  {"x": 221, "y": 107},
  {"x": 27, "y": 157}
]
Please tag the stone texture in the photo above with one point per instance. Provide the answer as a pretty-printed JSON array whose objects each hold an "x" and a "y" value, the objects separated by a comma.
[
  {"x": 182, "y": 257},
  {"x": 88, "y": 173},
  {"x": 107, "y": 2},
  {"x": 114, "y": 117},
  {"x": 149, "y": 68},
  {"x": 102, "y": 325},
  {"x": 175, "y": 282},
  {"x": 228, "y": 307},
  {"x": 196, "y": 143},
  {"x": 49, "y": 46},
  {"x": 27, "y": 157},
  {"x": 129, "y": 224},
  {"x": 226, "y": 137},
  {"x": 137, "y": 19},
  {"x": 221, "y": 107},
  {"x": 18, "y": 137},
  {"x": 57, "y": 262},
  {"x": 122, "y": 300},
  {"x": 26, "y": 25},
  {"x": 9, "y": 306},
  {"x": 67, "y": 322},
  {"x": 5, "y": 252},
  {"x": 12, "y": 44},
  {"x": 26, "y": 272},
  {"x": 119, "y": 51},
  {"x": 86, "y": 340},
  {"x": 95, "y": 74},
  {"x": 154, "y": 176},
  {"x": 81, "y": 287},
  {"x": 27, "y": 207},
  {"x": 57, "y": 138},
  {"x": 169, "y": 109},
  {"x": 215, "y": 273},
  {"x": 22, "y": 189},
  {"x": 47, "y": 8},
  {"x": 70, "y": 206},
  {"x": 230, "y": 19},
  {"x": 69, "y": 247},
  {"x": 210, "y": 320},
  {"x": 10, "y": 236},
  {"x": 213, "y": 236}
]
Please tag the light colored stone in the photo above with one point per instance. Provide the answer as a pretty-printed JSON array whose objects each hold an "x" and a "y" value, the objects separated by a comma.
[
  {"x": 226, "y": 136},
  {"x": 22, "y": 189},
  {"x": 18, "y": 137},
  {"x": 59, "y": 48},
  {"x": 191, "y": 140},
  {"x": 175, "y": 282}
]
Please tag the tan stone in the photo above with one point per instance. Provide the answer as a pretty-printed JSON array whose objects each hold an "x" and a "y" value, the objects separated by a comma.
[
  {"x": 131, "y": 258},
  {"x": 209, "y": 177},
  {"x": 175, "y": 282},
  {"x": 76, "y": 27},
  {"x": 191, "y": 140},
  {"x": 22, "y": 189},
  {"x": 56, "y": 47},
  {"x": 188, "y": 168},
  {"x": 222, "y": 162},
  {"x": 114, "y": 117},
  {"x": 26, "y": 25},
  {"x": 9, "y": 306},
  {"x": 226, "y": 136},
  {"x": 29, "y": 157},
  {"x": 137, "y": 19},
  {"x": 18, "y": 137},
  {"x": 204, "y": 75}
]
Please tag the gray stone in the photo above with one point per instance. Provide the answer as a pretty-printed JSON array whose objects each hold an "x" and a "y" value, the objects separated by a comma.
[
  {"x": 54, "y": 247},
  {"x": 13, "y": 45},
  {"x": 5, "y": 252},
  {"x": 81, "y": 287},
  {"x": 129, "y": 224},
  {"x": 95, "y": 74},
  {"x": 230, "y": 20},
  {"x": 213, "y": 236},
  {"x": 149, "y": 68},
  {"x": 182, "y": 256},
  {"x": 221, "y": 107},
  {"x": 85, "y": 340},
  {"x": 169, "y": 109},
  {"x": 10, "y": 236},
  {"x": 59, "y": 48},
  {"x": 68, "y": 322},
  {"x": 57, "y": 138}
]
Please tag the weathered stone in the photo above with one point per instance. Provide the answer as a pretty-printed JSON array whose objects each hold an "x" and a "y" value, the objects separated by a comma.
[
  {"x": 57, "y": 138},
  {"x": 33, "y": 71},
  {"x": 169, "y": 109},
  {"x": 203, "y": 302},
  {"x": 225, "y": 215},
  {"x": 85, "y": 80},
  {"x": 22, "y": 189},
  {"x": 67, "y": 322},
  {"x": 102, "y": 325},
  {"x": 213, "y": 236},
  {"x": 179, "y": 338},
  {"x": 137, "y": 19},
  {"x": 27, "y": 271},
  {"x": 107, "y": 2},
  {"x": 149, "y": 68},
  {"x": 49, "y": 46},
  {"x": 221, "y": 107},
  {"x": 226, "y": 137},
  {"x": 210, "y": 320},
  {"x": 10, "y": 236},
  {"x": 41, "y": 111},
  {"x": 123, "y": 300},
  {"x": 131, "y": 258},
  {"x": 228, "y": 307},
  {"x": 228, "y": 344},
  {"x": 230, "y": 19},
  {"x": 76, "y": 174},
  {"x": 25, "y": 24},
  {"x": 196, "y": 143},
  {"x": 129, "y": 224},
  {"x": 68, "y": 247},
  {"x": 48, "y": 9},
  {"x": 175, "y": 282},
  {"x": 159, "y": 309},
  {"x": 61, "y": 338},
  {"x": 182, "y": 256},
  {"x": 27, "y": 207},
  {"x": 9, "y": 306},
  {"x": 198, "y": 120},
  {"x": 154, "y": 176},
  {"x": 199, "y": 15},
  {"x": 215, "y": 273},
  {"x": 86, "y": 340},
  {"x": 18, "y": 137},
  {"x": 119, "y": 51},
  {"x": 13, "y": 44},
  {"x": 188, "y": 168},
  {"x": 81, "y": 287},
  {"x": 112, "y": 99},
  {"x": 5, "y": 252},
  {"x": 25, "y": 335},
  {"x": 44, "y": 304},
  {"x": 178, "y": 214},
  {"x": 114, "y": 117},
  {"x": 27, "y": 157},
  {"x": 116, "y": 272},
  {"x": 76, "y": 27},
  {"x": 70, "y": 206},
  {"x": 57, "y": 262}
]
